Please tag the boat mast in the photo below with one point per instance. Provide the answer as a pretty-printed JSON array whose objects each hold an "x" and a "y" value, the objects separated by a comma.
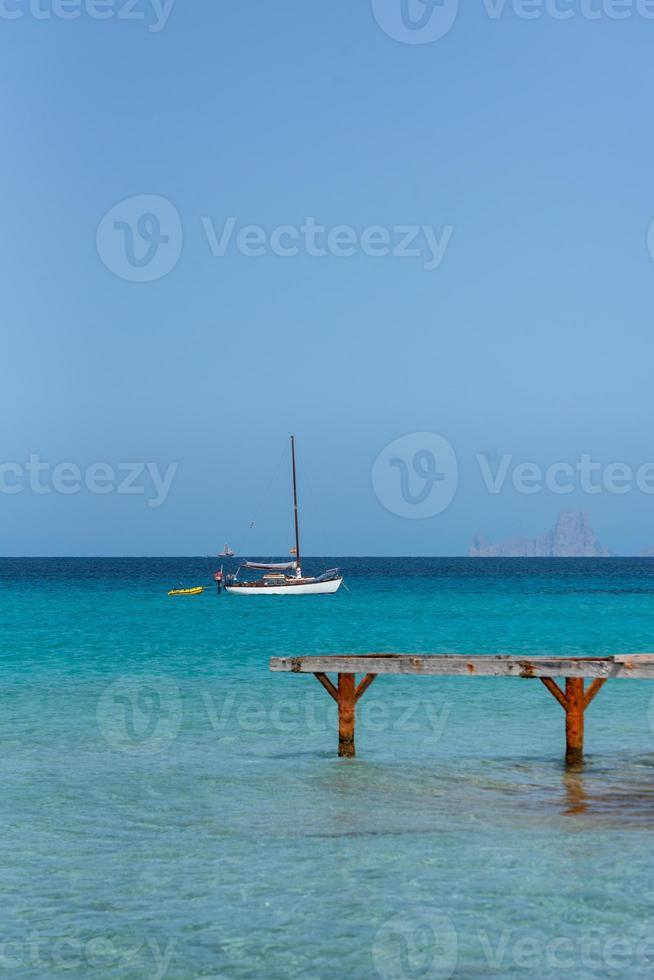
[{"x": 297, "y": 525}]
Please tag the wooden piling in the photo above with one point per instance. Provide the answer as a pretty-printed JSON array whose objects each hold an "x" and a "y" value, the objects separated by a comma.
[
  {"x": 346, "y": 696},
  {"x": 574, "y": 702},
  {"x": 574, "y": 720},
  {"x": 346, "y": 715}
]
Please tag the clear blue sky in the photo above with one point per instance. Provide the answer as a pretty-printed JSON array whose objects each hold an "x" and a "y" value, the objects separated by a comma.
[{"x": 532, "y": 139}]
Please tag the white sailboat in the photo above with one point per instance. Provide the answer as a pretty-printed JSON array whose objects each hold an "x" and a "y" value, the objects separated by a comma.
[
  {"x": 226, "y": 552},
  {"x": 285, "y": 578}
]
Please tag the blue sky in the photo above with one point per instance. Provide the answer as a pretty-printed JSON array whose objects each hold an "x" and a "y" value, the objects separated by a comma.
[{"x": 529, "y": 139}]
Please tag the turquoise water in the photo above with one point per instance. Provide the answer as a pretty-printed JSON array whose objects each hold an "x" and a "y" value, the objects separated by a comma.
[{"x": 172, "y": 809}]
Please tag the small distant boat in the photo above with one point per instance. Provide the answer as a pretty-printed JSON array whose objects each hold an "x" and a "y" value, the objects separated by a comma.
[
  {"x": 226, "y": 552},
  {"x": 276, "y": 580},
  {"x": 196, "y": 591}
]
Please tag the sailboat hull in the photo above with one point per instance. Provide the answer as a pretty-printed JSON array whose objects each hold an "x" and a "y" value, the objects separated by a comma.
[{"x": 301, "y": 588}]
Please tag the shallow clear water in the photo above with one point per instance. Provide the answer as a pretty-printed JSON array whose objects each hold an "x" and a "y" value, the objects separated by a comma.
[{"x": 171, "y": 808}]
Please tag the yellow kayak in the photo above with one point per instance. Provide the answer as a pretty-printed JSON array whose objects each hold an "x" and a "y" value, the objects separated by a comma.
[{"x": 196, "y": 591}]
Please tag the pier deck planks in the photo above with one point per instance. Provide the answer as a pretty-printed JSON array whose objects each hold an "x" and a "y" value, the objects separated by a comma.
[{"x": 624, "y": 666}]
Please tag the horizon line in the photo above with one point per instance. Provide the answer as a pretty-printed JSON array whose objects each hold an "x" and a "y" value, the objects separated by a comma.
[{"x": 475, "y": 558}]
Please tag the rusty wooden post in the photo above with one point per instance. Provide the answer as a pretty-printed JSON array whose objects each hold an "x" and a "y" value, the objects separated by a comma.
[
  {"x": 574, "y": 720},
  {"x": 346, "y": 715}
]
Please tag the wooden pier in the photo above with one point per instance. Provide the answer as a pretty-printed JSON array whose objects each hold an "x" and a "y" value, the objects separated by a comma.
[{"x": 574, "y": 699}]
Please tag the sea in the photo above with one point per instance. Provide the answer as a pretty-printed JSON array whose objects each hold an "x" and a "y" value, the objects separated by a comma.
[{"x": 171, "y": 808}]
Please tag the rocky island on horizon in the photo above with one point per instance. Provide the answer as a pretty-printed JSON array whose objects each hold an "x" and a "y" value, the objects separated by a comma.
[{"x": 571, "y": 537}]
